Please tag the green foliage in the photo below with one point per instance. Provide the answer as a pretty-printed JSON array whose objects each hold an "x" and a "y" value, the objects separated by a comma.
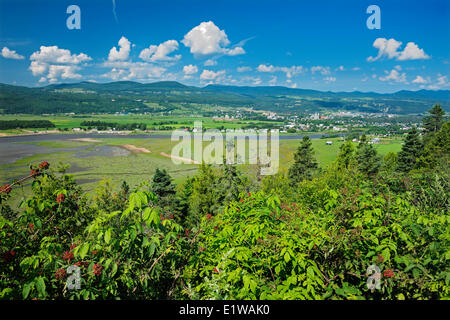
[
  {"x": 346, "y": 156},
  {"x": 411, "y": 150},
  {"x": 14, "y": 124},
  {"x": 304, "y": 162},
  {"x": 434, "y": 121},
  {"x": 368, "y": 161},
  {"x": 219, "y": 236}
]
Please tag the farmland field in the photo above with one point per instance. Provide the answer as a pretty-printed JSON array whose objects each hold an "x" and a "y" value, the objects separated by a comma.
[{"x": 91, "y": 160}]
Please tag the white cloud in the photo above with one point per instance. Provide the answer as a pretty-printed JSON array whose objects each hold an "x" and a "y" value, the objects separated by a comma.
[
  {"x": 266, "y": 68},
  {"x": 329, "y": 79},
  {"x": 56, "y": 55},
  {"x": 243, "y": 69},
  {"x": 11, "y": 54},
  {"x": 207, "y": 38},
  {"x": 123, "y": 53},
  {"x": 211, "y": 75},
  {"x": 289, "y": 71},
  {"x": 419, "y": 80},
  {"x": 252, "y": 80},
  {"x": 394, "y": 75},
  {"x": 190, "y": 69},
  {"x": 210, "y": 62},
  {"x": 389, "y": 49},
  {"x": 341, "y": 68},
  {"x": 139, "y": 71},
  {"x": 323, "y": 70},
  {"x": 160, "y": 53},
  {"x": 235, "y": 51},
  {"x": 356, "y": 68},
  {"x": 412, "y": 52},
  {"x": 53, "y": 63}
]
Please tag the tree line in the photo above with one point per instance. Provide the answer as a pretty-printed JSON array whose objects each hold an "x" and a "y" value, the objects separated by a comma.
[{"x": 22, "y": 124}]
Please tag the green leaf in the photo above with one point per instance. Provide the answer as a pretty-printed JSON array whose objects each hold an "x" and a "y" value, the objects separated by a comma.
[
  {"x": 108, "y": 236},
  {"x": 84, "y": 250},
  {"x": 146, "y": 213},
  {"x": 287, "y": 257},
  {"x": 40, "y": 286},
  {"x": 27, "y": 289}
]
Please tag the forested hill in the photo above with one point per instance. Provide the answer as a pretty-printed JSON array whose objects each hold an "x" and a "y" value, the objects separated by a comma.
[{"x": 129, "y": 96}]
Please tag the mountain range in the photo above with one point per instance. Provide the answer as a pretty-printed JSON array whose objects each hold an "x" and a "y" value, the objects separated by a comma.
[{"x": 129, "y": 96}]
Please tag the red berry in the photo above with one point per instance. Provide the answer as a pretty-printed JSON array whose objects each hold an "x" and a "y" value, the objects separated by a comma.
[
  {"x": 44, "y": 165},
  {"x": 68, "y": 255},
  {"x": 60, "y": 273},
  {"x": 97, "y": 269},
  {"x": 215, "y": 270},
  {"x": 6, "y": 189},
  {"x": 60, "y": 198},
  {"x": 208, "y": 216},
  {"x": 388, "y": 273}
]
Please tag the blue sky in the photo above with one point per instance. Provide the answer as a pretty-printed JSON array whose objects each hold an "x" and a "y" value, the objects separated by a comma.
[{"x": 322, "y": 45}]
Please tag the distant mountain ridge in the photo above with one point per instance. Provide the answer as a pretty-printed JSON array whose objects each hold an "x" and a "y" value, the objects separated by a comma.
[
  {"x": 174, "y": 85},
  {"x": 130, "y": 96}
]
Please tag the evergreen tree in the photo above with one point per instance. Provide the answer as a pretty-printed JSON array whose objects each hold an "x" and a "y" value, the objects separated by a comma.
[
  {"x": 390, "y": 162},
  {"x": 411, "y": 150},
  {"x": 437, "y": 151},
  {"x": 346, "y": 155},
  {"x": 162, "y": 184},
  {"x": 433, "y": 122},
  {"x": 304, "y": 162},
  {"x": 367, "y": 158},
  {"x": 204, "y": 196}
]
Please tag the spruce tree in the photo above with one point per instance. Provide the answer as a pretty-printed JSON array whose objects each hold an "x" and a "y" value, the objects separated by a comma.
[
  {"x": 433, "y": 123},
  {"x": 367, "y": 158},
  {"x": 304, "y": 162},
  {"x": 162, "y": 184},
  {"x": 411, "y": 150},
  {"x": 437, "y": 151}
]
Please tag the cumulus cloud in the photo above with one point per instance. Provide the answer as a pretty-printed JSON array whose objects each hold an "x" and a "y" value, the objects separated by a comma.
[
  {"x": 289, "y": 71},
  {"x": 190, "y": 69},
  {"x": 123, "y": 53},
  {"x": 160, "y": 53},
  {"x": 390, "y": 50},
  {"x": 53, "y": 63},
  {"x": 11, "y": 54},
  {"x": 138, "y": 71},
  {"x": 266, "y": 68},
  {"x": 412, "y": 52},
  {"x": 210, "y": 62},
  {"x": 207, "y": 39},
  {"x": 323, "y": 70},
  {"x": 419, "y": 80},
  {"x": 394, "y": 75},
  {"x": 329, "y": 79},
  {"x": 211, "y": 75}
]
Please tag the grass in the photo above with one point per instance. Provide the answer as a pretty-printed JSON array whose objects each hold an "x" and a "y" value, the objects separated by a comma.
[{"x": 182, "y": 121}]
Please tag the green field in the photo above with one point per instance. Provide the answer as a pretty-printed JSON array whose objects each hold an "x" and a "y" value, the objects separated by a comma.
[
  {"x": 176, "y": 121},
  {"x": 89, "y": 168}
]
